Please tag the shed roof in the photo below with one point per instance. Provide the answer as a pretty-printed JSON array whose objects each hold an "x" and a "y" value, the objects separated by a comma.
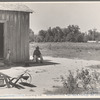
[{"x": 15, "y": 7}]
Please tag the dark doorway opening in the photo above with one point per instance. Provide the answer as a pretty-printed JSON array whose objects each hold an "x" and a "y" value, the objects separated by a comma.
[{"x": 1, "y": 40}]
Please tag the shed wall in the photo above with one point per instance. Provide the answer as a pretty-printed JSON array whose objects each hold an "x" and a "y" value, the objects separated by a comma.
[{"x": 16, "y": 37}]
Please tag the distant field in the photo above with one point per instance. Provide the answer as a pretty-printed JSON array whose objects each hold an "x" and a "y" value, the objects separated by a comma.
[{"x": 90, "y": 51}]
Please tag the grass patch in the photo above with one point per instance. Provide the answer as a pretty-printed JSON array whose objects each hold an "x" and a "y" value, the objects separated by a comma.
[{"x": 89, "y": 51}]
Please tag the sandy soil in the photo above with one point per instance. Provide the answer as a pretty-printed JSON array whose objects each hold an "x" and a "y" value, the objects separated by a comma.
[{"x": 44, "y": 77}]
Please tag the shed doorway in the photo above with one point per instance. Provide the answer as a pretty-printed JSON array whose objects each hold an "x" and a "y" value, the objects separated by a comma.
[{"x": 1, "y": 40}]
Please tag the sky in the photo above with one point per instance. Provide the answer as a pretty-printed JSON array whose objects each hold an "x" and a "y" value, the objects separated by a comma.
[{"x": 49, "y": 14}]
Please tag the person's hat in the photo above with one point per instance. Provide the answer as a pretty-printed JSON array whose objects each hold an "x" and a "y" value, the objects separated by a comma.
[{"x": 37, "y": 47}]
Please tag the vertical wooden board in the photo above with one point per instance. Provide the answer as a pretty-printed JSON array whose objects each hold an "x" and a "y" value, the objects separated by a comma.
[
  {"x": 5, "y": 39},
  {"x": 13, "y": 40},
  {"x": 13, "y": 37},
  {"x": 18, "y": 37},
  {"x": 5, "y": 35},
  {"x": 25, "y": 34},
  {"x": 27, "y": 37},
  {"x": 24, "y": 31},
  {"x": 8, "y": 32},
  {"x": 28, "y": 20},
  {"x": 22, "y": 35}
]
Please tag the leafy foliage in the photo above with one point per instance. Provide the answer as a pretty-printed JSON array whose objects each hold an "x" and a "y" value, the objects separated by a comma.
[
  {"x": 71, "y": 33},
  {"x": 83, "y": 79},
  {"x": 93, "y": 35}
]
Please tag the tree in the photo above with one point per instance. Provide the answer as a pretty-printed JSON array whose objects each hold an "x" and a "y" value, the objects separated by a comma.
[
  {"x": 73, "y": 32},
  {"x": 93, "y": 34},
  {"x": 80, "y": 38},
  {"x": 60, "y": 34},
  {"x": 42, "y": 35},
  {"x": 54, "y": 32},
  {"x": 70, "y": 37}
]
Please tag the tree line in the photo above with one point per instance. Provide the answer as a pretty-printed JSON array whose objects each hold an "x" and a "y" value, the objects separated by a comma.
[{"x": 71, "y": 34}]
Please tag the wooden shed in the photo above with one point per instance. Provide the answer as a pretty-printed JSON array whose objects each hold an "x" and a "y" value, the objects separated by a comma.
[{"x": 14, "y": 31}]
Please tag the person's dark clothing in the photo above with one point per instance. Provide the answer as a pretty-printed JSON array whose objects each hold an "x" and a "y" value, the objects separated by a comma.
[{"x": 37, "y": 53}]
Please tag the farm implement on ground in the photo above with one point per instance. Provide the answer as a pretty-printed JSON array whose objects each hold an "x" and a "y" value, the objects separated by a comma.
[{"x": 8, "y": 81}]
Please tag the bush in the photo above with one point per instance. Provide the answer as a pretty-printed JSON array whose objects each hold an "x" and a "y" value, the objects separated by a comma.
[{"x": 84, "y": 79}]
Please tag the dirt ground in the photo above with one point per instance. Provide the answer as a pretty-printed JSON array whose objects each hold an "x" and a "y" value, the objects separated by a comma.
[{"x": 45, "y": 77}]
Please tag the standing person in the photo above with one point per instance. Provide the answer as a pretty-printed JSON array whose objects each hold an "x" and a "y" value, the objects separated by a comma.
[
  {"x": 8, "y": 58},
  {"x": 37, "y": 54}
]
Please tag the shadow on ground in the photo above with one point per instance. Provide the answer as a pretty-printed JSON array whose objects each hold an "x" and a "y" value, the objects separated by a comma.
[
  {"x": 46, "y": 62},
  {"x": 27, "y": 64},
  {"x": 34, "y": 64},
  {"x": 27, "y": 84},
  {"x": 22, "y": 85}
]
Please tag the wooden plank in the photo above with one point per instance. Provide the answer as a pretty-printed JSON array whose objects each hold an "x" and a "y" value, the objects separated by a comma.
[
  {"x": 11, "y": 35},
  {"x": 27, "y": 37},
  {"x": 8, "y": 33},
  {"x": 16, "y": 20},
  {"x": 18, "y": 37},
  {"x": 22, "y": 36},
  {"x": 12, "y": 38},
  {"x": 5, "y": 39},
  {"x": 5, "y": 36},
  {"x": 28, "y": 20},
  {"x": 25, "y": 33}
]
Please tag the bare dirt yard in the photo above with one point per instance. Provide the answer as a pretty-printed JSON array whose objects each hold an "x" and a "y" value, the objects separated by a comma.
[{"x": 58, "y": 59}]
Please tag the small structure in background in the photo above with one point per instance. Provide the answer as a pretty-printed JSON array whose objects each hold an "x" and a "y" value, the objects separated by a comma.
[
  {"x": 93, "y": 41},
  {"x": 14, "y": 29}
]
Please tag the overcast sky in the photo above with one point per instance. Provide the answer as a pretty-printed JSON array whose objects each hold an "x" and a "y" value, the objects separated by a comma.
[{"x": 45, "y": 15}]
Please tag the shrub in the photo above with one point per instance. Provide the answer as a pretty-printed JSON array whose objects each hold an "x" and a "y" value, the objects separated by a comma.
[{"x": 84, "y": 79}]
